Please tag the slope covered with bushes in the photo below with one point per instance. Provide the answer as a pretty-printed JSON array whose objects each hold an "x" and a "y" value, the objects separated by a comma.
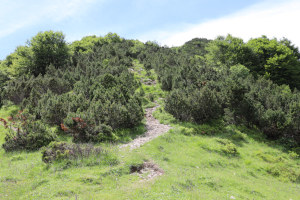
[
  {"x": 89, "y": 96},
  {"x": 234, "y": 108},
  {"x": 227, "y": 82}
]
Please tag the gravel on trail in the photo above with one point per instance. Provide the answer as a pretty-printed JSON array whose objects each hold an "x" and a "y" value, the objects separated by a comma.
[{"x": 154, "y": 129}]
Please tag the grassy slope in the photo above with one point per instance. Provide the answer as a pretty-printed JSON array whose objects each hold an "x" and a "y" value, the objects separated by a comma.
[{"x": 195, "y": 167}]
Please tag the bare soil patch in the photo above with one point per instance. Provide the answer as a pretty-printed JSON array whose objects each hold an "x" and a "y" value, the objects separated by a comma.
[
  {"x": 147, "y": 171},
  {"x": 154, "y": 129}
]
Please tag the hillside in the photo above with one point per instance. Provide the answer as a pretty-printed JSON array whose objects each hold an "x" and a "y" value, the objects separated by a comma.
[{"x": 119, "y": 119}]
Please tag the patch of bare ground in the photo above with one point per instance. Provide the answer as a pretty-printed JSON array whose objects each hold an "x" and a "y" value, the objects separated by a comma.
[
  {"x": 147, "y": 171},
  {"x": 154, "y": 129}
]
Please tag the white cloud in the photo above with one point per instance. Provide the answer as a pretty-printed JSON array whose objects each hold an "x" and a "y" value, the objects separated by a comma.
[
  {"x": 273, "y": 19},
  {"x": 18, "y": 14}
]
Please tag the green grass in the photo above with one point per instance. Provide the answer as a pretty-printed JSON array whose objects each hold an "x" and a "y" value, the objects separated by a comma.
[{"x": 151, "y": 92}]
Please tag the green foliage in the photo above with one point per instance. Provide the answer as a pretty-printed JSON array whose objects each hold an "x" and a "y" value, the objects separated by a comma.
[
  {"x": 25, "y": 134},
  {"x": 48, "y": 48},
  {"x": 53, "y": 108},
  {"x": 230, "y": 51},
  {"x": 86, "y": 44},
  {"x": 202, "y": 80},
  {"x": 75, "y": 154},
  {"x": 30, "y": 89},
  {"x": 199, "y": 105},
  {"x": 17, "y": 63},
  {"x": 278, "y": 60},
  {"x": 44, "y": 49},
  {"x": 228, "y": 147},
  {"x": 273, "y": 59},
  {"x": 96, "y": 86},
  {"x": 227, "y": 83},
  {"x": 84, "y": 130},
  {"x": 187, "y": 131},
  {"x": 195, "y": 46}
]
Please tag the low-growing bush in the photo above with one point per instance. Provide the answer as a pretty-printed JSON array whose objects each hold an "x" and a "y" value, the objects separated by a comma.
[
  {"x": 25, "y": 134},
  {"x": 187, "y": 131},
  {"x": 85, "y": 130},
  {"x": 210, "y": 129},
  {"x": 283, "y": 172},
  {"x": 228, "y": 147},
  {"x": 78, "y": 154}
]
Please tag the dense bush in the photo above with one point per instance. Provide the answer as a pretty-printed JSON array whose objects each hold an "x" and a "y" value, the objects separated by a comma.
[
  {"x": 25, "y": 134},
  {"x": 85, "y": 130},
  {"x": 199, "y": 105}
]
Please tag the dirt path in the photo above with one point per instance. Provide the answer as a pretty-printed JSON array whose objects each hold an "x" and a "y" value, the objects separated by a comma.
[{"x": 154, "y": 129}]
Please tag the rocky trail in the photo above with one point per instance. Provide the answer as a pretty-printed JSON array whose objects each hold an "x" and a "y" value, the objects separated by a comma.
[{"x": 154, "y": 129}]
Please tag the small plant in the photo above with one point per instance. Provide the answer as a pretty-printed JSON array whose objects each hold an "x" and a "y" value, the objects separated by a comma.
[
  {"x": 293, "y": 155},
  {"x": 236, "y": 134},
  {"x": 228, "y": 147},
  {"x": 4, "y": 122},
  {"x": 77, "y": 154},
  {"x": 187, "y": 131},
  {"x": 151, "y": 97},
  {"x": 56, "y": 151},
  {"x": 210, "y": 129}
]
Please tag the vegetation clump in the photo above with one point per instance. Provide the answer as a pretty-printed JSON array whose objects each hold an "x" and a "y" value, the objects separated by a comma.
[
  {"x": 77, "y": 154},
  {"x": 26, "y": 134}
]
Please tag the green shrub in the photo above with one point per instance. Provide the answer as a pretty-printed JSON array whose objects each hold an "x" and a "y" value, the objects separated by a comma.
[
  {"x": 78, "y": 154},
  {"x": 227, "y": 147},
  {"x": 187, "y": 131},
  {"x": 283, "y": 172},
  {"x": 236, "y": 134},
  {"x": 85, "y": 130},
  {"x": 210, "y": 129},
  {"x": 27, "y": 135},
  {"x": 196, "y": 105}
]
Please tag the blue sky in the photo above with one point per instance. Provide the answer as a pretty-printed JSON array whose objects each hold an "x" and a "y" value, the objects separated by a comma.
[{"x": 168, "y": 22}]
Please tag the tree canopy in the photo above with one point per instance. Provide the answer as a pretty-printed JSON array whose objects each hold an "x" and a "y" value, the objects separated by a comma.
[{"x": 44, "y": 49}]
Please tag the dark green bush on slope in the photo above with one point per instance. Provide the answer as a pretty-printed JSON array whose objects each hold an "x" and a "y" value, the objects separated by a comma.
[
  {"x": 26, "y": 134},
  {"x": 200, "y": 105}
]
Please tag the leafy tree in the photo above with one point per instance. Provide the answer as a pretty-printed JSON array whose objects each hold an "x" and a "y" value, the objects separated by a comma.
[
  {"x": 230, "y": 51},
  {"x": 195, "y": 46},
  {"x": 44, "y": 49},
  {"x": 48, "y": 47},
  {"x": 278, "y": 60},
  {"x": 17, "y": 63}
]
